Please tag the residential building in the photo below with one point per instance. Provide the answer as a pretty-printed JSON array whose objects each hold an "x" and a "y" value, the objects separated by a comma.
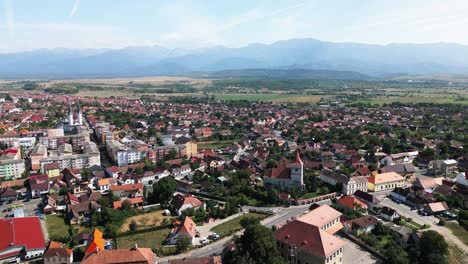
[
  {"x": 389, "y": 213},
  {"x": 21, "y": 239},
  {"x": 73, "y": 161},
  {"x": 399, "y": 158},
  {"x": 353, "y": 184},
  {"x": 286, "y": 175},
  {"x": 352, "y": 203},
  {"x": 38, "y": 185},
  {"x": 428, "y": 184},
  {"x": 443, "y": 167},
  {"x": 57, "y": 254},
  {"x": 301, "y": 242},
  {"x": 186, "y": 228},
  {"x": 184, "y": 202},
  {"x": 11, "y": 169},
  {"x": 134, "y": 255},
  {"x": 7, "y": 194},
  {"x": 331, "y": 177},
  {"x": 436, "y": 208},
  {"x": 52, "y": 169},
  {"x": 385, "y": 181},
  {"x": 406, "y": 170},
  {"x": 370, "y": 200},
  {"x": 360, "y": 225},
  {"x": 38, "y": 153},
  {"x": 324, "y": 217},
  {"x": 123, "y": 155}
]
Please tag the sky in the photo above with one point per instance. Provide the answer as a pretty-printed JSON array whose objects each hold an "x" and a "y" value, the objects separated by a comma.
[{"x": 93, "y": 24}]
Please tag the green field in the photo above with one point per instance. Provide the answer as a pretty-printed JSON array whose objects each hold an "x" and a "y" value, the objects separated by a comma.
[
  {"x": 234, "y": 225},
  {"x": 216, "y": 144},
  {"x": 151, "y": 239},
  {"x": 56, "y": 226},
  {"x": 415, "y": 99},
  {"x": 268, "y": 97},
  {"x": 458, "y": 231}
]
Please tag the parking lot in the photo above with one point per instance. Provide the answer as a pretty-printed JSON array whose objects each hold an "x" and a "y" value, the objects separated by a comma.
[
  {"x": 355, "y": 254},
  {"x": 30, "y": 208}
]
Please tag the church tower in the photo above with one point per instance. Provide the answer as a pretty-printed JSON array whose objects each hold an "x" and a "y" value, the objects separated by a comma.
[
  {"x": 70, "y": 115},
  {"x": 297, "y": 171},
  {"x": 80, "y": 115}
]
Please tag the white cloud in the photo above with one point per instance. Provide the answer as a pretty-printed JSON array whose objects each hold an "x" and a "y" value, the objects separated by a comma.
[{"x": 74, "y": 8}]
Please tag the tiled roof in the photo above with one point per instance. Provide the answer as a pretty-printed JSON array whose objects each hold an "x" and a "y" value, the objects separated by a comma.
[
  {"x": 95, "y": 242},
  {"x": 309, "y": 238},
  {"x": 139, "y": 255},
  {"x": 385, "y": 178},
  {"x": 320, "y": 216}
]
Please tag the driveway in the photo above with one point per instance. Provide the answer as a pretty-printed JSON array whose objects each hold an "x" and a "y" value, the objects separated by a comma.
[{"x": 355, "y": 254}]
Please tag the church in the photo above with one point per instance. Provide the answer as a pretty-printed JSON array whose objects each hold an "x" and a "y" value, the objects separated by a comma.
[
  {"x": 71, "y": 122},
  {"x": 286, "y": 175}
]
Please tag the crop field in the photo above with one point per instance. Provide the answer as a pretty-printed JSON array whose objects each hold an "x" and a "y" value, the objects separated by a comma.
[{"x": 276, "y": 97}]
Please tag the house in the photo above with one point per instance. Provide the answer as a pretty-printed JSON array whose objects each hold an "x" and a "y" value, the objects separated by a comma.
[
  {"x": 186, "y": 228},
  {"x": 444, "y": 167},
  {"x": 352, "y": 203},
  {"x": 370, "y": 200},
  {"x": 57, "y": 254},
  {"x": 119, "y": 256},
  {"x": 95, "y": 242},
  {"x": 127, "y": 190},
  {"x": 352, "y": 184},
  {"x": 332, "y": 178},
  {"x": 7, "y": 194},
  {"x": 184, "y": 202},
  {"x": 428, "y": 184},
  {"x": 399, "y": 158},
  {"x": 78, "y": 212},
  {"x": 200, "y": 260},
  {"x": 103, "y": 185},
  {"x": 389, "y": 214},
  {"x": 286, "y": 175},
  {"x": 38, "y": 185},
  {"x": 51, "y": 169},
  {"x": 406, "y": 170},
  {"x": 308, "y": 243},
  {"x": 137, "y": 201},
  {"x": 436, "y": 208},
  {"x": 385, "y": 181},
  {"x": 324, "y": 217},
  {"x": 404, "y": 195},
  {"x": 360, "y": 225},
  {"x": 21, "y": 239}
]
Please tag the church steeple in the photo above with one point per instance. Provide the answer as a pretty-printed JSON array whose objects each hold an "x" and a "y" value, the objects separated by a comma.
[{"x": 70, "y": 115}]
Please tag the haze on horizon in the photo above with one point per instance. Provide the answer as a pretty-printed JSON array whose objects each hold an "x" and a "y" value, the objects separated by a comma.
[{"x": 82, "y": 24}]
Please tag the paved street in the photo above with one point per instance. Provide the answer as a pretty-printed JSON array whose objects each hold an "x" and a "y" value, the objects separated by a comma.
[
  {"x": 429, "y": 220},
  {"x": 355, "y": 254}
]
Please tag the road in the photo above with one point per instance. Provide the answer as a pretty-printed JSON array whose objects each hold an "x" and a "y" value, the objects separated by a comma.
[
  {"x": 429, "y": 220},
  {"x": 216, "y": 248}
]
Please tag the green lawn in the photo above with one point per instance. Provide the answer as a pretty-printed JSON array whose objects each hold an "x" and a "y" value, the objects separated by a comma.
[
  {"x": 458, "y": 231},
  {"x": 233, "y": 225},
  {"x": 56, "y": 226},
  {"x": 216, "y": 144},
  {"x": 151, "y": 239},
  {"x": 310, "y": 195}
]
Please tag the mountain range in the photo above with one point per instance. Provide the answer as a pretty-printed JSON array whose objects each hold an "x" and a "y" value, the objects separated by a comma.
[{"x": 294, "y": 55}]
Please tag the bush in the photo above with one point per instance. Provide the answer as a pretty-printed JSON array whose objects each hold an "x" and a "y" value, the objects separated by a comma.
[{"x": 132, "y": 226}]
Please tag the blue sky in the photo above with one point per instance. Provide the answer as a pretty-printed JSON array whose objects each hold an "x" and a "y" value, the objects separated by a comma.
[{"x": 34, "y": 24}]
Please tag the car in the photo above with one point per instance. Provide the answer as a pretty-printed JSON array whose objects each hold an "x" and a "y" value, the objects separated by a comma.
[
  {"x": 413, "y": 208},
  {"x": 213, "y": 236},
  {"x": 204, "y": 241}
]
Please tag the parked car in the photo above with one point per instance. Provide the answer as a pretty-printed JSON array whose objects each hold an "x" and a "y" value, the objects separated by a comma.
[
  {"x": 213, "y": 236},
  {"x": 204, "y": 241}
]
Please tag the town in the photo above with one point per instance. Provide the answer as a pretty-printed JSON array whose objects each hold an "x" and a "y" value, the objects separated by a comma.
[{"x": 189, "y": 179}]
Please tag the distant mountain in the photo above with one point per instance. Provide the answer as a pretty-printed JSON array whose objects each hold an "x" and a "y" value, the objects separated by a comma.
[
  {"x": 283, "y": 74},
  {"x": 294, "y": 54}
]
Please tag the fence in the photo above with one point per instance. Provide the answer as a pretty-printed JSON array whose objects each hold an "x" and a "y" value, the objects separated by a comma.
[{"x": 301, "y": 201}]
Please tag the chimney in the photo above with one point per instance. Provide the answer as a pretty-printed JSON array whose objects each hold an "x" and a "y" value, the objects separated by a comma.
[{"x": 135, "y": 247}]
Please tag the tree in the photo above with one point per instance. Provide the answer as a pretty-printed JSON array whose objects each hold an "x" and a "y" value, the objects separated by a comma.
[
  {"x": 183, "y": 242},
  {"x": 163, "y": 190},
  {"x": 132, "y": 226},
  {"x": 433, "y": 247},
  {"x": 256, "y": 245},
  {"x": 86, "y": 173}
]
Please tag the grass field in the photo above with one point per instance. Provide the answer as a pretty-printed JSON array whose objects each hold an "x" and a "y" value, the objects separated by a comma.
[
  {"x": 216, "y": 144},
  {"x": 151, "y": 239},
  {"x": 458, "y": 231},
  {"x": 145, "y": 220},
  {"x": 269, "y": 97},
  {"x": 234, "y": 225},
  {"x": 415, "y": 99},
  {"x": 456, "y": 255},
  {"x": 56, "y": 226}
]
